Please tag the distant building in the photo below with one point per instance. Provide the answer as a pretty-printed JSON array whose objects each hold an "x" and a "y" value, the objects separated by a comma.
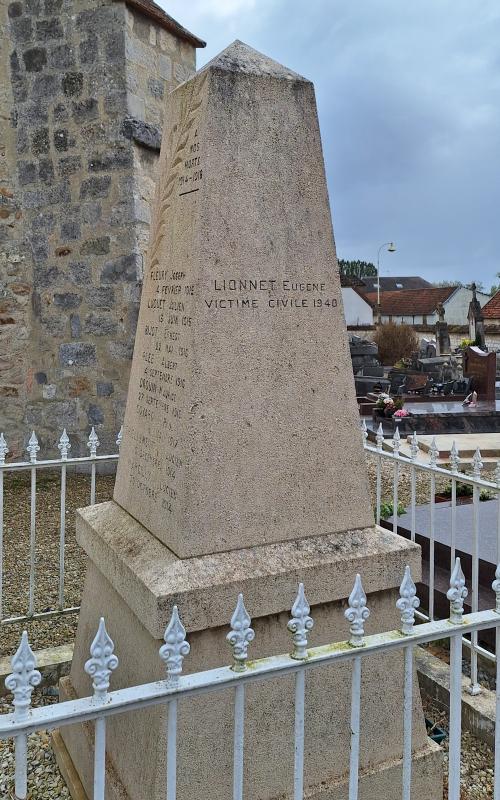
[
  {"x": 491, "y": 311},
  {"x": 358, "y": 309},
  {"x": 419, "y": 306},
  {"x": 394, "y": 284}
]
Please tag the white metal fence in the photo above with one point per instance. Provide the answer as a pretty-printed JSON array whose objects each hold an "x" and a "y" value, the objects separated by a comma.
[
  {"x": 25, "y": 720},
  {"x": 454, "y": 476},
  {"x": 33, "y": 466}
]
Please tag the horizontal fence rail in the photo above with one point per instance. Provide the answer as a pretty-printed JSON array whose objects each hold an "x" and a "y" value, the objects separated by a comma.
[
  {"x": 302, "y": 658},
  {"x": 32, "y": 467},
  {"x": 454, "y": 477}
]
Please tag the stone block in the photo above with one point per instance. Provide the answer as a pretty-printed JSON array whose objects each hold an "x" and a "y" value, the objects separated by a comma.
[
  {"x": 35, "y": 59},
  {"x": 61, "y": 56},
  {"x": 63, "y": 140},
  {"x": 69, "y": 165},
  {"x": 41, "y": 378},
  {"x": 70, "y": 230},
  {"x": 156, "y": 88},
  {"x": 117, "y": 158},
  {"x": 136, "y": 106},
  {"x": 100, "y": 324},
  {"x": 78, "y": 354},
  {"x": 79, "y": 272},
  {"x": 75, "y": 326},
  {"x": 114, "y": 47},
  {"x": 120, "y": 351},
  {"x": 120, "y": 269},
  {"x": 97, "y": 186},
  {"x": 44, "y": 277},
  {"x": 89, "y": 50},
  {"x": 27, "y": 172},
  {"x": 146, "y": 135},
  {"x": 15, "y": 10},
  {"x": 165, "y": 67},
  {"x": 21, "y": 29},
  {"x": 45, "y": 86},
  {"x": 47, "y": 29},
  {"x": 91, "y": 213},
  {"x": 104, "y": 388},
  {"x": 100, "y": 297},
  {"x": 46, "y": 171},
  {"x": 72, "y": 84},
  {"x": 85, "y": 110},
  {"x": 60, "y": 113},
  {"x": 96, "y": 247},
  {"x": 52, "y": 6},
  {"x": 95, "y": 415},
  {"x": 40, "y": 141}
]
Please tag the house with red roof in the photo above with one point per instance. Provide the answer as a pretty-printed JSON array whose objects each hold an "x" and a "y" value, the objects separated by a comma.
[{"x": 420, "y": 306}]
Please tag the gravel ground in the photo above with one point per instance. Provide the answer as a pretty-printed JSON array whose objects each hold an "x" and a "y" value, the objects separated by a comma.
[
  {"x": 56, "y": 631},
  {"x": 45, "y": 782}
]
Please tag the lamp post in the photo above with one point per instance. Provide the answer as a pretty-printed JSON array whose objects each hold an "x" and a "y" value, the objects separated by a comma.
[{"x": 391, "y": 248}]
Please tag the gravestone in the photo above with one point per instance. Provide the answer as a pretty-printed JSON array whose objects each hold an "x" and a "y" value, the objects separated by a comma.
[
  {"x": 443, "y": 343},
  {"x": 481, "y": 367},
  {"x": 476, "y": 321},
  {"x": 242, "y": 467}
]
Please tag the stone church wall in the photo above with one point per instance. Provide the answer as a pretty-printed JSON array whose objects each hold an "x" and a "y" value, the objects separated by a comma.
[{"x": 83, "y": 85}]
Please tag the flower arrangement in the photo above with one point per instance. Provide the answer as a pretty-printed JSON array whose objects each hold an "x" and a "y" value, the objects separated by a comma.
[
  {"x": 389, "y": 406},
  {"x": 401, "y": 412}
]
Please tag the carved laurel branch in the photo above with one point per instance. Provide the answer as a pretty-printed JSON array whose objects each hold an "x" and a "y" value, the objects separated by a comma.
[{"x": 171, "y": 172}]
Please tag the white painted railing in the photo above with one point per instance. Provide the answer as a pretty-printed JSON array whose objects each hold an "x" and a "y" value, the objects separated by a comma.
[
  {"x": 453, "y": 476},
  {"x": 33, "y": 466},
  {"x": 171, "y": 691}
]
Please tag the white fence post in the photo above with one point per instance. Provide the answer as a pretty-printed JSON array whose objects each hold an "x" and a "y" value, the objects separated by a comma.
[
  {"x": 93, "y": 443},
  {"x": 3, "y": 452},
  {"x": 239, "y": 637},
  {"x": 33, "y": 448},
  {"x": 299, "y": 626},
  {"x": 356, "y": 614},
  {"x": 172, "y": 653}
]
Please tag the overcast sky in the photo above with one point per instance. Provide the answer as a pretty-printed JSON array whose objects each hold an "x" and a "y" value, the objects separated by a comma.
[{"x": 409, "y": 107}]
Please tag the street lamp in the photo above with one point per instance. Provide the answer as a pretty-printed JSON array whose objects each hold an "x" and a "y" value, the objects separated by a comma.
[{"x": 391, "y": 248}]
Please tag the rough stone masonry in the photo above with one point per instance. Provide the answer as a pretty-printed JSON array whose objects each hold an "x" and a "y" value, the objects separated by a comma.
[{"x": 82, "y": 88}]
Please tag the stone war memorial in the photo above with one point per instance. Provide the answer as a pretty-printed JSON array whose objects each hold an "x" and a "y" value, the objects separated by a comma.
[{"x": 242, "y": 465}]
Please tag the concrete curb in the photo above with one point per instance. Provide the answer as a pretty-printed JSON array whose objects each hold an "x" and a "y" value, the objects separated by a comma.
[{"x": 53, "y": 663}]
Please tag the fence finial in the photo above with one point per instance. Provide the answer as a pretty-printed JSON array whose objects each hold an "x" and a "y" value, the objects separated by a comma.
[
  {"x": 300, "y": 624},
  {"x": 496, "y": 588},
  {"x": 240, "y": 635},
  {"x": 414, "y": 446},
  {"x": 33, "y": 447},
  {"x": 119, "y": 438},
  {"x": 454, "y": 457},
  {"x": 23, "y": 679},
  {"x": 396, "y": 441},
  {"x": 93, "y": 442},
  {"x": 3, "y": 449},
  {"x": 176, "y": 647},
  {"x": 379, "y": 438},
  {"x": 103, "y": 661},
  {"x": 477, "y": 463},
  {"x": 433, "y": 453},
  {"x": 457, "y": 593},
  {"x": 408, "y": 602},
  {"x": 364, "y": 431},
  {"x": 64, "y": 445},
  {"x": 357, "y": 613}
]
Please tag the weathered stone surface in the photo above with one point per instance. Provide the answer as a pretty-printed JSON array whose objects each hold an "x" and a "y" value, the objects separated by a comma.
[
  {"x": 121, "y": 269},
  {"x": 241, "y": 393},
  {"x": 67, "y": 300},
  {"x": 147, "y": 135},
  {"x": 97, "y": 186},
  {"x": 35, "y": 59},
  {"x": 79, "y": 354},
  {"x": 96, "y": 247},
  {"x": 72, "y": 83}
]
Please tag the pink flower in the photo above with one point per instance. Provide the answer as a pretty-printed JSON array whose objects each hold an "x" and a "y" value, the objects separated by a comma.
[{"x": 402, "y": 412}]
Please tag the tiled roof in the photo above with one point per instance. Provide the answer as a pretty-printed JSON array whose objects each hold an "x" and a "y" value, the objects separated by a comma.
[
  {"x": 391, "y": 284},
  {"x": 492, "y": 308},
  {"x": 153, "y": 11},
  {"x": 412, "y": 301}
]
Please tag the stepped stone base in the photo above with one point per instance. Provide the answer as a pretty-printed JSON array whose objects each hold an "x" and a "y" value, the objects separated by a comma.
[{"x": 135, "y": 587}]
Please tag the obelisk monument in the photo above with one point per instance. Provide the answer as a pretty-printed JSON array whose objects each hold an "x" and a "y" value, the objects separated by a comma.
[{"x": 242, "y": 467}]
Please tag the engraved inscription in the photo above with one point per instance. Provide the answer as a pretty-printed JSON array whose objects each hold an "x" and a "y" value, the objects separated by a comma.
[{"x": 269, "y": 293}]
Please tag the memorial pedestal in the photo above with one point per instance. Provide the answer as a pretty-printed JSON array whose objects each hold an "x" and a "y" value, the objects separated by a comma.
[{"x": 138, "y": 580}]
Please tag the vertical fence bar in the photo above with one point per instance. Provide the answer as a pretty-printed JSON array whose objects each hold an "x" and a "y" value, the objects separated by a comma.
[
  {"x": 21, "y": 771},
  {"x": 355, "y": 724},
  {"x": 477, "y": 466},
  {"x": 298, "y": 775},
  {"x": 455, "y": 731},
  {"x": 453, "y": 521},
  {"x": 1, "y": 544},
  {"x": 413, "y": 502},
  {"x": 407, "y": 721},
  {"x": 396, "y": 444},
  {"x": 431, "y": 547},
  {"x": 31, "y": 605},
  {"x": 496, "y": 776},
  {"x": 100, "y": 759},
  {"x": 93, "y": 444},
  {"x": 172, "y": 750},
  {"x": 380, "y": 443},
  {"x": 239, "y": 733},
  {"x": 62, "y": 536}
]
